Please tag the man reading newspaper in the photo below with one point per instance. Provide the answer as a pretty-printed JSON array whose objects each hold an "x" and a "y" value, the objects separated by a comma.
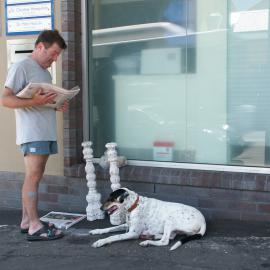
[{"x": 35, "y": 126}]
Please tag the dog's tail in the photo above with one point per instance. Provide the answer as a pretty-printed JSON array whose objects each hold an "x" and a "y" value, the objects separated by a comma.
[{"x": 186, "y": 239}]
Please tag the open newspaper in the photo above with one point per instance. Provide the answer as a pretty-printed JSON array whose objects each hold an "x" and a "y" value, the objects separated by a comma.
[
  {"x": 62, "y": 94},
  {"x": 62, "y": 220}
]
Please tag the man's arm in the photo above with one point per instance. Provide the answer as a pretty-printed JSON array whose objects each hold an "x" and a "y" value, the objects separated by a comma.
[{"x": 9, "y": 100}]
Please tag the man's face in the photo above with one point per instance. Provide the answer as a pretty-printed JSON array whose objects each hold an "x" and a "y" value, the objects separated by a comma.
[{"x": 48, "y": 55}]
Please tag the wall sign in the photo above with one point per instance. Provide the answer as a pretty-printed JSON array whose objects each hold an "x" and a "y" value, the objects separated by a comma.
[{"x": 28, "y": 17}]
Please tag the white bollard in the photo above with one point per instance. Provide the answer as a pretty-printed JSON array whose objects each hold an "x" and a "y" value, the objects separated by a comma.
[
  {"x": 117, "y": 218},
  {"x": 93, "y": 210},
  {"x": 114, "y": 170}
]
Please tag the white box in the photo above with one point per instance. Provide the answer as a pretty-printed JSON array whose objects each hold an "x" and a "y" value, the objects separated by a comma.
[{"x": 161, "y": 61}]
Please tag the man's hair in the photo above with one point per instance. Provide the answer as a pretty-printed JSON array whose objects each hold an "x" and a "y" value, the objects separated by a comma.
[{"x": 49, "y": 37}]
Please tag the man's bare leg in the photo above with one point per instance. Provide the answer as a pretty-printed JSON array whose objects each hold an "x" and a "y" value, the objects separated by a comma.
[{"x": 34, "y": 169}]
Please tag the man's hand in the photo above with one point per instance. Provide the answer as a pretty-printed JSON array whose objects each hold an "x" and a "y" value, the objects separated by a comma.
[
  {"x": 41, "y": 98},
  {"x": 9, "y": 99},
  {"x": 63, "y": 108}
]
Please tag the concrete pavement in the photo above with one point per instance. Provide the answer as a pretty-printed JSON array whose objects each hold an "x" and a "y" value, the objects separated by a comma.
[{"x": 228, "y": 245}]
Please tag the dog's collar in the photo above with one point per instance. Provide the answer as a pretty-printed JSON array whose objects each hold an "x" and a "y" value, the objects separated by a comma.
[{"x": 134, "y": 205}]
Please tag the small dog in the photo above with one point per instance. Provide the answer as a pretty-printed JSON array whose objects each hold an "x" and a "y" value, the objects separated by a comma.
[{"x": 149, "y": 218}]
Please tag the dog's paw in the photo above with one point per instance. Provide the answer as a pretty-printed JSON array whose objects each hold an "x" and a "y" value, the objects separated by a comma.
[
  {"x": 98, "y": 243},
  {"x": 144, "y": 243},
  {"x": 96, "y": 231}
]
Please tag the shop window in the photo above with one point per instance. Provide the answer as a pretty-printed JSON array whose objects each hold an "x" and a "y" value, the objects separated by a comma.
[{"x": 175, "y": 80}]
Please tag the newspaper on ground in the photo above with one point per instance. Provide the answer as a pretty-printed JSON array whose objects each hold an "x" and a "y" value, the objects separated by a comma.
[
  {"x": 62, "y": 94},
  {"x": 62, "y": 220}
]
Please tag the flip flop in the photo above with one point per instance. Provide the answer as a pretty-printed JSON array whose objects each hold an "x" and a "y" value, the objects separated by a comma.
[
  {"x": 45, "y": 223},
  {"x": 44, "y": 234},
  {"x": 24, "y": 230}
]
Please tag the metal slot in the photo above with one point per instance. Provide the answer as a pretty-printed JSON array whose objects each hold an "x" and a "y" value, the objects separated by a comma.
[{"x": 24, "y": 51}]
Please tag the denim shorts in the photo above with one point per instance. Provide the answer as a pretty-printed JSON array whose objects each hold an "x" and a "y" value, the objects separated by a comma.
[{"x": 40, "y": 148}]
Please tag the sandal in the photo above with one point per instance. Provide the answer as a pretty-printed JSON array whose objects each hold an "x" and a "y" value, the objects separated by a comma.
[
  {"x": 24, "y": 230},
  {"x": 44, "y": 234},
  {"x": 45, "y": 223}
]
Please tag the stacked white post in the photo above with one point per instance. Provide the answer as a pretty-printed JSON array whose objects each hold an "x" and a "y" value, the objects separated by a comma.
[
  {"x": 114, "y": 170},
  {"x": 93, "y": 210},
  {"x": 117, "y": 218}
]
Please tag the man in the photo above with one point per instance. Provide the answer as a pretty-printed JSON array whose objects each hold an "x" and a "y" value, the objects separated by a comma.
[{"x": 35, "y": 126}]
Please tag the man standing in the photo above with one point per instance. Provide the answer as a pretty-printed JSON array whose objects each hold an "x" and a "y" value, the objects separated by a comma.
[{"x": 35, "y": 126}]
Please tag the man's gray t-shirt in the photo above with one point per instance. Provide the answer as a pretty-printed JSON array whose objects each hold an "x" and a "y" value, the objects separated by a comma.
[{"x": 37, "y": 123}]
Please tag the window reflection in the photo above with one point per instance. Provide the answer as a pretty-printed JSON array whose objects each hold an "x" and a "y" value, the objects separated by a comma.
[{"x": 248, "y": 83}]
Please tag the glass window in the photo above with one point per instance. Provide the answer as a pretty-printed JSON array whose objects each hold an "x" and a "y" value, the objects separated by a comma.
[
  {"x": 182, "y": 80},
  {"x": 248, "y": 83}
]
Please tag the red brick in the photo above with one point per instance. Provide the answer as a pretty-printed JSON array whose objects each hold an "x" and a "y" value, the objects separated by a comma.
[
  {"x": 242, "y": 206},
  {"x": 264, "y": 208},
  {"x": 204, "y": 203},
  {"x": 57, "y": 189},
  {"x": 48, "y": 197},
  {"x": 255, "y": 217},
  {"x": 217, "y": 214}
]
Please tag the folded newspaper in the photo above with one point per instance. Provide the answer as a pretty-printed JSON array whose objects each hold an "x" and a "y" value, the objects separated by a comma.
[
  {"x": 62, "y": 94},
  {"x": 62, "y": 220}
]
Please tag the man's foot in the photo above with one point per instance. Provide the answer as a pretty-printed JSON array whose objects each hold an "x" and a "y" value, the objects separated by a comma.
[
  {"x": 24, "y": 226},
  {"x": 45, "y": 223},
  {"x": 45, "y": 233}
]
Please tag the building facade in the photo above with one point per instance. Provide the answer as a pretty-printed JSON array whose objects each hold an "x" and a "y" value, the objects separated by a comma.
[{"x": 180, "y": 85}]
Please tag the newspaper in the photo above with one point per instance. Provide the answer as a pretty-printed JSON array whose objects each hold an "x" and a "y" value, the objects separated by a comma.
[
  {"x": 62, "y": 94},
  {"x": 62, "y": 220}
]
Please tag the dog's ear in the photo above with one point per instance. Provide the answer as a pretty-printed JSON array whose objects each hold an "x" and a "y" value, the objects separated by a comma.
[{"x": 122, "y": 197}]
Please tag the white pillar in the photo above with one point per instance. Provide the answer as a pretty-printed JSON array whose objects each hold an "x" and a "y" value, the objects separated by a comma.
[
  {"x": 114, "y": 170},
  {"x": 118, "y": 217},
  {"x": 93, "y": 210}
]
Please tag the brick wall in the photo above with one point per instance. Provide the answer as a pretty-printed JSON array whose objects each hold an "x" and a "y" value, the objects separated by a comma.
[
  {"x": 72, "y": 76},
  {"x": 219, "y": 195}
]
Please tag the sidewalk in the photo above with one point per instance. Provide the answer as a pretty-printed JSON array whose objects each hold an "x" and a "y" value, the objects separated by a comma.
[{"x": 227, "y": 246}]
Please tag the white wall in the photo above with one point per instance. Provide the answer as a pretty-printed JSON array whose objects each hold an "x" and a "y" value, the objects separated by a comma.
[{"x": 11, "y": 158}]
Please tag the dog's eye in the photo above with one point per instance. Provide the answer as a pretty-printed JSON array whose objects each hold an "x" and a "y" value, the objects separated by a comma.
[{"x": 122, "y": 197}]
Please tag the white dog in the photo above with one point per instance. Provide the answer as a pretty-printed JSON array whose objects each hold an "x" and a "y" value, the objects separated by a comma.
[{"x": 150, "y": 218}]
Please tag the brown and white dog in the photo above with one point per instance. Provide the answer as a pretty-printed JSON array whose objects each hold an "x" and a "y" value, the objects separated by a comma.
[{"x": 152, "y": 219}]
